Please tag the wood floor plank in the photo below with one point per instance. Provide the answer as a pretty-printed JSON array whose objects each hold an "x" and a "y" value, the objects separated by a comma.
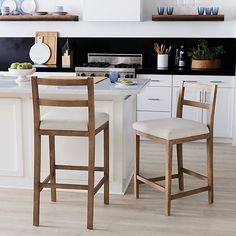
[{"x": 134, "y": 217}]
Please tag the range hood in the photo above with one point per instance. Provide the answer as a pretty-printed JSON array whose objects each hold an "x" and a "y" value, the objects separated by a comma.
[{"x": 112, "y": 10}]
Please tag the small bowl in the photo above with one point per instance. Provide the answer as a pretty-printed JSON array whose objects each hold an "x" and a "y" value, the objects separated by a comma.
[{"x": 21, "y": 74}]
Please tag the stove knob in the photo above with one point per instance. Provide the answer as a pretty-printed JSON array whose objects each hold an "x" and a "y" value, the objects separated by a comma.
[
  {"x": 83, "y": 74},
  {"x": 132, "y": 76},
  {"x": 92, "y": 74},
  {"x": 126, "y": 76}
]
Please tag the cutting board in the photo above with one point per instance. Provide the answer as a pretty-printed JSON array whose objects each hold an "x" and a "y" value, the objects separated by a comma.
[
  {"x": 49, "y": 38},
  {"x": 95, "y": 79}
]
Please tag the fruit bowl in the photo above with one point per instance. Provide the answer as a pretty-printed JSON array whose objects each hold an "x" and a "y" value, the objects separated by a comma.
[{"x": 22, "y": 74}]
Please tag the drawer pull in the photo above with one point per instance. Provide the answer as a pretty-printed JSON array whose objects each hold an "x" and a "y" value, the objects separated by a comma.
[
  {"x": 216, "y": 81},
  {"x": 191, "y": 81},
  {"x": 155, "y": 80},
  {"x": 154, "y": 99}
]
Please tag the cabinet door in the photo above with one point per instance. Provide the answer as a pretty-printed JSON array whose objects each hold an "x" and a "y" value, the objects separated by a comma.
[
  {"x": 154, "y": 99},
  {"x": 191, "y": 113},
  {"x": 11, "y": 138},
  {"x": 223, "y": 113}
]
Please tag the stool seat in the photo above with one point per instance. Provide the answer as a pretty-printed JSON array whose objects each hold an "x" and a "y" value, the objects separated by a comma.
[
  {"x": 71, "y": 120},
  {"x": 171, "y": 128}
]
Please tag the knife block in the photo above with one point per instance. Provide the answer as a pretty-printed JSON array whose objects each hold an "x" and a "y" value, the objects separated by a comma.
[{"x": 67, "y": 59}]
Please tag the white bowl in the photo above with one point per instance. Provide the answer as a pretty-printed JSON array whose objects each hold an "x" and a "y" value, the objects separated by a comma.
[{"x": 22, "y": 74}]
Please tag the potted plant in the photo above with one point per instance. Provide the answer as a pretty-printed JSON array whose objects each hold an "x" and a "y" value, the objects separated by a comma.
[{"x": 206, "y": 57}]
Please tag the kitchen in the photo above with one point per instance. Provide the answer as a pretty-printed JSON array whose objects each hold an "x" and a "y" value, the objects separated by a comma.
[{"x": 116, "y": 36}]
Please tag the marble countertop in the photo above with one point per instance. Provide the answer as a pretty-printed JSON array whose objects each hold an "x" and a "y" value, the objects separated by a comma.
[{"x": 104, "y": 89}]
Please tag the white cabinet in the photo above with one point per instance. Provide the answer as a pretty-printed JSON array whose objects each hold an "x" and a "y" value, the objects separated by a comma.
[
  {"x": 224, "y": 102},
  {"x": 112, "y": 10},
  {"x": 11, "y": 155},
  {"x": 154, "y": 101}
]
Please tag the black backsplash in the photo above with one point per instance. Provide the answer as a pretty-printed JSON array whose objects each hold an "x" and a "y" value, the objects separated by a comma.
[{"x": 17, "y": 49}]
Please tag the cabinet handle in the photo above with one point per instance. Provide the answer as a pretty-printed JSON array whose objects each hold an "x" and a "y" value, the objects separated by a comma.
[
  {"x": 155, "y": 80},
  {"x": 154, "y": 99},
  {"x": 216, "y": 81},
  {"x": 191, "y": 81}
]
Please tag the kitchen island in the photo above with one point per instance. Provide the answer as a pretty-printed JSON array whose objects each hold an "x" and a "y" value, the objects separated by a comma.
[{"x": 16, "y": 136}]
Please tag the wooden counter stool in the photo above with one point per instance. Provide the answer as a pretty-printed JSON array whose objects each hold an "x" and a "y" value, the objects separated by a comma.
[
  {"x": 177, "y": 131},
  {"x": 71, "y": 123}
]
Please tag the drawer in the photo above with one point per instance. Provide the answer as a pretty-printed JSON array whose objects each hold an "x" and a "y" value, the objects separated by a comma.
[
  {"x": 151, "y": 115},
  {"x": 221, "y": 81},
  {"x": 157, "y": 80},
  {"x": 154, "y": 99}
]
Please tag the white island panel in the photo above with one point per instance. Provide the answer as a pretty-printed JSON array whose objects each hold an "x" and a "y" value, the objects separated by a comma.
[{"x": 118, "y": 102}]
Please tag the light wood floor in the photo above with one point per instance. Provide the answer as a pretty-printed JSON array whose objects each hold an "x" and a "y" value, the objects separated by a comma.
[{"x": 127, "y": 216}]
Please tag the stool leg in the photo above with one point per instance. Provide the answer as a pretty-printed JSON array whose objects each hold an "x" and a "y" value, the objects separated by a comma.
[
  {"x": 37, "y": 169},
  {"x": 180, "y": 165},
  {"x": 210, "y": 169},
  {"x": 90, "y": 207},
  {"x": 106, "y": 164},
  {"x": 136, "y": 165},
  {"x": 168, "y": 177},
  {"x": 52, "y": 166}
]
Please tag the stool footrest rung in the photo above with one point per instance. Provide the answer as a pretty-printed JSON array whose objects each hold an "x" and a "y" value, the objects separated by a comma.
[
  {"x": 99, "y": 185},
  {"x": 81, "y": 168},
  {"x": 160, "y": 178},
  {"x": 150, "y": 183},
  {"x": 190, "y": 192},
  {"x": 64, "y": 186},
  {"x": 195, "y": 174}
]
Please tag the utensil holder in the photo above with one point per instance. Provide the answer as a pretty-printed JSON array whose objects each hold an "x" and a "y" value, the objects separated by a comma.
[{"x": 162, "y": 60}]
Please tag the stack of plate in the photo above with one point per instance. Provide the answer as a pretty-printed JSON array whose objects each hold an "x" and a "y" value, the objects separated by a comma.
[{"x": 5, "y": 10}]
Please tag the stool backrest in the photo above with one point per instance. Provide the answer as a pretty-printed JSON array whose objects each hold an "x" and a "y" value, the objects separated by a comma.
[
  {"x": 38, "y": 101},
  {"x": 208, "y": 105}
]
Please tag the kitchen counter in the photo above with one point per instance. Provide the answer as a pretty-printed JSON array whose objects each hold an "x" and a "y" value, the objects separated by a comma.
[
  {"x": 16, "y": 125},
  {"x": 186, "y": 71},
  {"x": 105, "y": 89}
]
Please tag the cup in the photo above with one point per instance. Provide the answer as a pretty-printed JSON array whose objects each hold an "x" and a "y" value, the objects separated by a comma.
[
  {"x": 169, "y": 10},
  {"x": 208, "y": 10},
  {"x": 113, "y": 76},
  {"x": 215, "y": 10},
  {"x": 160, "y": 10},
  {"x": 162, "y": 60},
  {"x": 58, "y": 9},
  {"x": 201, "y": 10}
]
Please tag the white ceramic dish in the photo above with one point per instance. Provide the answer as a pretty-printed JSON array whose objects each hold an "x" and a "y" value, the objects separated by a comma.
[
  {"x": 131, "y": 82},
  {"x": 40, "y": 52},
  {"x": 27, "y": 6},
  {"x": 22, "y": 74},
  {"x": 12, "y": 4},
  {"x": 62, "y": 13}
]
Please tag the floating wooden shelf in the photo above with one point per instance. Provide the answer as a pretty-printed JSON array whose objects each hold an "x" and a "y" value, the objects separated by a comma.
[
  {"x": 39, "y": 18},
  {"x": 188, "y": 17}
]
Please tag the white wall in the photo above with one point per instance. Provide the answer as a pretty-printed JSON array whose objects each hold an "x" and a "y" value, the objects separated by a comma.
[
  {"x": 227, "y": 7},
  {"x": 126, "y": 29}
]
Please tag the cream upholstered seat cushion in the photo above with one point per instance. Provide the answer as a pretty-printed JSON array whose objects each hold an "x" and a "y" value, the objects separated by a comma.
[
  {"x": 171, "y": 128},
  {"x": 71, "y": 120}
]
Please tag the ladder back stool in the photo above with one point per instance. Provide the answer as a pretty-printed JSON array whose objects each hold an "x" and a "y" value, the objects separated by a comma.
[
  {"x": 176, "y": 131},
  {"x": 76, "y": 122}
]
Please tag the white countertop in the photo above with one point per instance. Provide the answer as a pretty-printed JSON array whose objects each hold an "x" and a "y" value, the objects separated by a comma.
[{"x": 103, "y": 90}]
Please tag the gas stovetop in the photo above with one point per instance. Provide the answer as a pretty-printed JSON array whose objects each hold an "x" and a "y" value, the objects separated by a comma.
[{"x": 100, "y": 64}]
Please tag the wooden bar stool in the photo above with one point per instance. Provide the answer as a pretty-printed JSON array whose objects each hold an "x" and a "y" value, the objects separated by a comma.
[
  {"x": 177, "y": 131},
  {"x": 73, "y": 123}
]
